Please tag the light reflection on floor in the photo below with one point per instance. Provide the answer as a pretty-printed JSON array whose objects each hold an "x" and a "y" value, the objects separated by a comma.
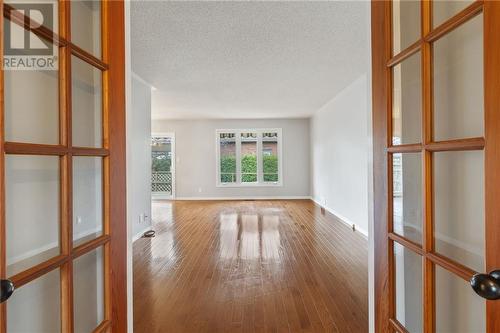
[
  {"x": 242, "y": 235},
  {"x": 228, "y": 236},
  {"x": 270, "y": 237},
  {"x": 249, "y": 236},
  {"x": 162, "y": 218}
]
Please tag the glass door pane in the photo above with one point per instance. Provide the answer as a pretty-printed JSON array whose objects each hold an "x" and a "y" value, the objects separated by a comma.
[
  {"x": 161, "y": 172},
  {"x": 443, "y": 10},
  {"x": 407, "y": 101},
  {"x": 458, "y": 83},
  {"x": 407, "y": 195},
  {"x": 458, "y": 308},
  {"x": 408, "y": 287},
  {"x": 31, "y": 96},
  {"x": 32, "y": 210},
  {"x": 36, "y": 306},
  {"x": 459, "y": 207},
  {"x": 86, "y": 25},
  {"x": 86, "y": 104},
  {"x": 87, "y": 199},
  {"x": 88, "y": 290},
  {"x": 405, "y": 24}
]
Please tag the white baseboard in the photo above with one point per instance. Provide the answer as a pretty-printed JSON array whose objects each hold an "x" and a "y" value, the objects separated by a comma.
[
  {"x": 162, "y": 197},
  {"x": 243, "y": 198},
  {"x": 140, "y": 233},
  {"x": 343, "y": 219}
]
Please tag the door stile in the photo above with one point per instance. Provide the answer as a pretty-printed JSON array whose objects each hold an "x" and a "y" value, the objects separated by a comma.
[
  {"x": 389, "y": 160},
  {"x": 66, "y": 227},
  {"x": 381, "y": 52},
  {"x": 492, "y": 149},
  {"x": 3, "y": 247},
  {"x": 114, "y": 46},
  {"x": 428, "y": 298},
  {"x": 105, "y": 28}
]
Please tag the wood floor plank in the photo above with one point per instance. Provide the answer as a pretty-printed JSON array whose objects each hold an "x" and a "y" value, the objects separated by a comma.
[{"x": 249, "y": 266}]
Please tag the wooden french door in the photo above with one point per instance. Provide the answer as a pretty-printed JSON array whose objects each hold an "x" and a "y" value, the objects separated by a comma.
[
  {"x": 62, "y": 166},
  {"x": 436, "y": 125}
]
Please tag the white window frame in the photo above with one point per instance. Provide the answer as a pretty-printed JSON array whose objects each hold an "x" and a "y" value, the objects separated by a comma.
[{"x": 260, "y": 177}]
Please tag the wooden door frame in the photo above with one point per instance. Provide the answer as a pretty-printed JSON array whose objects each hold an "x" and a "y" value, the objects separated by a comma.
[
  {"x": 114, "y": 238},
  {"x": 380, "y": 48},
  {"x": 117, "y": 166},
  {"x": 381, "y": 108}
]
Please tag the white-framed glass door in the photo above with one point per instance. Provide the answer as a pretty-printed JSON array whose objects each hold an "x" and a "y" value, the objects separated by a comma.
[{"x": 163, "y": 165}]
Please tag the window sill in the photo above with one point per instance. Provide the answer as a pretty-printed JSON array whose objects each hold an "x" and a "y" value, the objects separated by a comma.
[{"x": 250, "y": 185}]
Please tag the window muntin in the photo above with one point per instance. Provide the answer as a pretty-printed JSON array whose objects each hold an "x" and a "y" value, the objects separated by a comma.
[{"x": 249, "y": 157}]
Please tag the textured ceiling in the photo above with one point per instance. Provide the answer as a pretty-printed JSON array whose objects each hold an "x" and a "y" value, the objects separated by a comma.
[{"x": 247, "y": 59}]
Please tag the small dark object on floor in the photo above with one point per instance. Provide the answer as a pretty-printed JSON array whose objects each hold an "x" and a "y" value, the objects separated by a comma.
[{"x": 149, "y": 234}]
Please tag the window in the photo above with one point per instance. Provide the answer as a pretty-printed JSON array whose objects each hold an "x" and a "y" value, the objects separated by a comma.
[
  {"x": 227, "y": 158},
  {"x": 249, "y": 157},
  {"x": 270, "y": 156}
]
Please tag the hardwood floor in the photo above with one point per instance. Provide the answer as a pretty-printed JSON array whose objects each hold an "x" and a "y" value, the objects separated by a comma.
[{"x": 249, "y": 266}]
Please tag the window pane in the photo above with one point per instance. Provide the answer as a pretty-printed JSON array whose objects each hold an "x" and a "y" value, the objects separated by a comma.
[
  {"x": 270, "y": 157},
  {"x": 408, "y": 286},
  {"x": 459, "y": 215},
  {"x": 405, "y": 24},
  {"x": 458, "y": 82},
  {"x": 86, "y": 104},
  {"x": 458, "y": 308},
  {"x": 31, "y": 96},
  {"x": 40, "y": 11},
  {"x": 407, "y": 195},
  {"x": 227, "y": 148},
  {"x": 36, "y": 307},
  {"x": 86, "y": 25},
  {"x": 32, "y": 210},
  {"x": 87, "y": 198},
  {"x": 407, "y": 101},
  {"x": 248, "y": 157},
  {"x": 444, "y": 10},
  {"x": 88, "y": 293}
]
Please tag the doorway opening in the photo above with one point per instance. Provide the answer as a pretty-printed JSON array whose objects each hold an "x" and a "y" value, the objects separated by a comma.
[{"x": 163, "y": 166}]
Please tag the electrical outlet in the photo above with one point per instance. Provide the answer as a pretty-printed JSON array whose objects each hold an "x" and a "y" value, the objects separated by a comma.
[
  {"x": 199, "y": 190},
  {"x": 78, "y": 220}
]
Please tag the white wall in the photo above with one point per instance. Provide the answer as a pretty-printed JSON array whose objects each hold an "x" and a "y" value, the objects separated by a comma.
[
  {"x": 196, "y": 158},
  {"x": 339, "y": 154},
  {"x": 139, "y": 157}
]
